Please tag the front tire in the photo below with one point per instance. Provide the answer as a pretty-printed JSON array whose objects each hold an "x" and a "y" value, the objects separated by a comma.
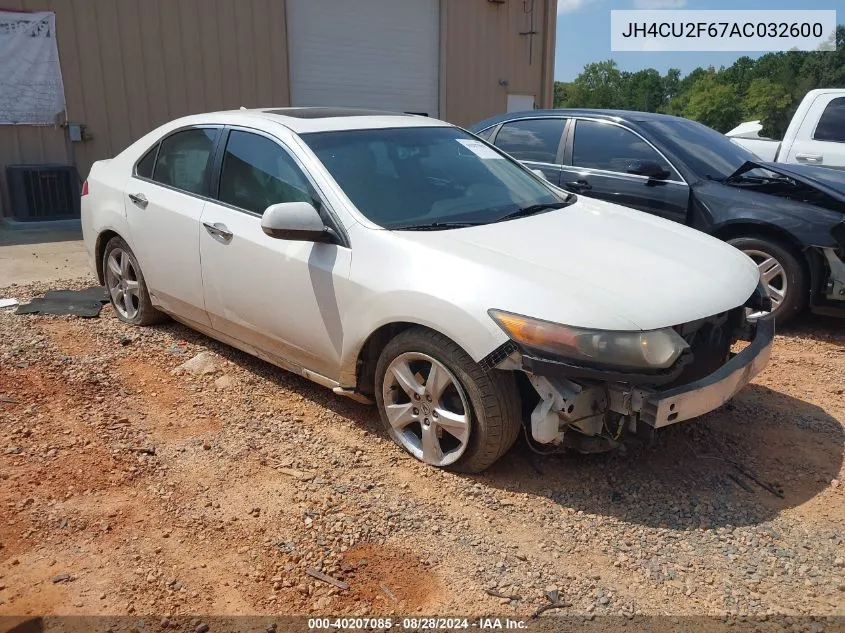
[
  {"x": 441, "y": 407},
  {"x": 125, "y": 284},
  {"x": 783, "y": 273}
]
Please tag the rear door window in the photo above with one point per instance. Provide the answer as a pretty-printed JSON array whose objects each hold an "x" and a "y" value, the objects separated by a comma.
[
  {"x": 184, "y": 159},
  {"x": 534, "y": 140}
]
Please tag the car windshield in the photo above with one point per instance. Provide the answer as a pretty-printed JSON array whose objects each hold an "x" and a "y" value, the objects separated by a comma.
[
  {"x": 437, "y": 177},
  {"x": 707, "y": 152}
]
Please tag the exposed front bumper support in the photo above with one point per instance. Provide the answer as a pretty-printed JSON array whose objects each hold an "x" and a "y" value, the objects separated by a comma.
[
  {"x": 567, "y": 403},
  {"x": 836, "y": 284},
  {"x": 702, "y": 396}
]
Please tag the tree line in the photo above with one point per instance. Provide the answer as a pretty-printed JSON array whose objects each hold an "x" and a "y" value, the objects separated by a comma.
[{"x": 768, "y": 88}]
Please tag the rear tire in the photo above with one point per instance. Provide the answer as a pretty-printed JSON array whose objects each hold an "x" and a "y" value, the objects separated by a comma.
[
  {"x": 414, "y": 403},
  {"x": 785, "y": 275},
  {"x": 125, "y": 284}
]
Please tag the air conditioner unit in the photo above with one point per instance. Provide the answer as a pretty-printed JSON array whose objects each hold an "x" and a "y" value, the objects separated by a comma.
[{"x": 43, "y": 192}]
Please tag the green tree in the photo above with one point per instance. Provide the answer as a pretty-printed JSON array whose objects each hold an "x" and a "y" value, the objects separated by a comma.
[
  {"x": 671, "y": 84},
  {"x": 740, "y": 74},
  {"x": 677, "y": 104},
  {"x": 713, "y": 103},
  {"x": 827, "y": 68},
  {"x": 769, "y": 102},
  {"x": 643, "y": 90},
  {"x": 768, "y": 88},
  {"x": 562, "y": 90},
  {"x": 598, "y": 86}
]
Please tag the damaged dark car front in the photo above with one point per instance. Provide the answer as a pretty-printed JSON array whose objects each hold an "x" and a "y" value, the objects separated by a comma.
[
  {"x": 787, "y": 218},
  {"x": 808, "y": 204}
]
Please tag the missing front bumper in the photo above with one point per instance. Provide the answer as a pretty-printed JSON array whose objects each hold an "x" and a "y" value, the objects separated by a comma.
[
  {"x": 835, "y": 290},
  {"x": 584, "y": 404},
  {"x": 667, "y": 407}
]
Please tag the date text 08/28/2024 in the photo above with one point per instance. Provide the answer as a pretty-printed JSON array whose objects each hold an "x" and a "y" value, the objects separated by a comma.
[{"x": 415, "y": 624}]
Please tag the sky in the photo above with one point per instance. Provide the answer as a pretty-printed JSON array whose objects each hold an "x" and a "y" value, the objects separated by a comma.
[{"x": 583, "y": 33}]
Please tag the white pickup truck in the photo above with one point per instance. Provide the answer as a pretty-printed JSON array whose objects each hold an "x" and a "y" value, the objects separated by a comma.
[{"x": 815, "y": 136}]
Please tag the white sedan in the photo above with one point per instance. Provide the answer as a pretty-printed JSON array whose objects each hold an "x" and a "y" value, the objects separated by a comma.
[{"x": 400, "y": 259}]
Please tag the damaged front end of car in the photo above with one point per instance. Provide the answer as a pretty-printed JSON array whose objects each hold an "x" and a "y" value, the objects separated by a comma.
[
  {"x": 834, "y": 285},
  {"x": 824, "y": 235},
  {"x": 684, "y": 372}
]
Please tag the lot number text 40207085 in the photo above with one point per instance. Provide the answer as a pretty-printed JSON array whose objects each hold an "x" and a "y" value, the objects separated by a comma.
[{"x": 416, "y": 624}]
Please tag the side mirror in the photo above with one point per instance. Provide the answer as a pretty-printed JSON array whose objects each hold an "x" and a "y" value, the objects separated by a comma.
[
  {"x": 539, "y": 172},
  {"x": 648, "y": 168},
  {"x": 297, "y": 221}
]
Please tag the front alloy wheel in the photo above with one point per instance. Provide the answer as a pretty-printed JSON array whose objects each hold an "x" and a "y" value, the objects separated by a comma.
[
  {"x": 783, "y": 272},
  {"x": 427, "y": 409},
  {"x": 773, "y": 275},
  {"x": 441, "y": 406}
]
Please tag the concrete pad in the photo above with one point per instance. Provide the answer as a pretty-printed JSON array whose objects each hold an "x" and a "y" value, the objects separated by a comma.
[{"x": 41, "y": 255}]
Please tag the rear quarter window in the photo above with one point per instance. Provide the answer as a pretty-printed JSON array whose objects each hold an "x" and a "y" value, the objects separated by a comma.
[
  {"x": 144, "y": 167},
  {"x": 486, "y": 134}
]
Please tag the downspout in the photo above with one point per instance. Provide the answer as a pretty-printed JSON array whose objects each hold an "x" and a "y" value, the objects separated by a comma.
[
  {"x": 442, "y": 70},
  {"x": 287, "y": 53},
  {"x": 547, "y": 89}
]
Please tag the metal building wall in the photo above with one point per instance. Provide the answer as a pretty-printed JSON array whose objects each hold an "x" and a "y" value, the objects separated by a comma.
[
  {"x": 131, "y": 65},
  {"x": 483, "y": 46}
]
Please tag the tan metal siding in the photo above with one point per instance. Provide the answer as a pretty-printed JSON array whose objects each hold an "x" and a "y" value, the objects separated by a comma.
[
  {"x": 483, "y": 46},
  {"x": 132, "y": 65},
  {"x": 27, "y": 143}
]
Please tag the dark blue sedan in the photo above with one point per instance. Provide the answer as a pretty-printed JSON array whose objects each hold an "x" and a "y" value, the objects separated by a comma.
[{"x": 790, "y": 219}]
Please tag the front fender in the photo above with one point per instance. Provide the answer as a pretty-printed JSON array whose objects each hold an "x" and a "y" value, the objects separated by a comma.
[
  {"x": 718, "y": 207},
  {"x": 477, "y": 336}
]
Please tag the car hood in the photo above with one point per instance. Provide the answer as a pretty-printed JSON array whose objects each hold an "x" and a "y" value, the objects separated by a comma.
[
  {"x": 593, "y": 264},
  {"x": 827, "y": 180}
]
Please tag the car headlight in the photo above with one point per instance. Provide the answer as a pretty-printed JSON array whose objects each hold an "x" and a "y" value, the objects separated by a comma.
[{"x": 653, "y": 349}]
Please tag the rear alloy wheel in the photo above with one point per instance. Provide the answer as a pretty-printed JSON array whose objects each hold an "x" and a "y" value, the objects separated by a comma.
[
  {"x": 781, "y": 272},
  {"x": 441, "y": 407},
  {"x": 126, "y": 287}
]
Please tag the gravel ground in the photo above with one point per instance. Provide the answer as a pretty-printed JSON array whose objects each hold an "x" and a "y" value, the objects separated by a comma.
[{"x": 129, "y": 487}]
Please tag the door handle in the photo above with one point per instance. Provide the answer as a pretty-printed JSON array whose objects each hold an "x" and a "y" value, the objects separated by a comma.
[
  {"x": 809, "y": 158},
  {"x": 218, "y": 230},
  {"x": 578, "y": 186},
  {"x": 139, "y": 200}
]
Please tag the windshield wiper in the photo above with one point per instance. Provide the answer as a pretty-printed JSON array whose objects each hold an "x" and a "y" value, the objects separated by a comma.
[
  {"x": 745, "y": 178},
  {"x": 531, "y": 210},
  {"x": 436, "y": 226},
  {"x": 519, "y": 213},
  {"x": 740, "y": 174}
]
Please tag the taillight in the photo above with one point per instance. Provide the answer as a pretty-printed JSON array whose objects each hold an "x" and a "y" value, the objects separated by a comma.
[{"x": 85, "y": 188}]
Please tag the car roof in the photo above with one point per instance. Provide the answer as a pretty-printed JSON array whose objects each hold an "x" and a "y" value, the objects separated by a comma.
[
  {"x": 319, "y": 119},
  {"x": 611, "y": 115}
]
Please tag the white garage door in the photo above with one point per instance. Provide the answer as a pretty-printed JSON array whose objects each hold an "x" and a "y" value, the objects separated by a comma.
[{"x": 381, "y": 54}]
